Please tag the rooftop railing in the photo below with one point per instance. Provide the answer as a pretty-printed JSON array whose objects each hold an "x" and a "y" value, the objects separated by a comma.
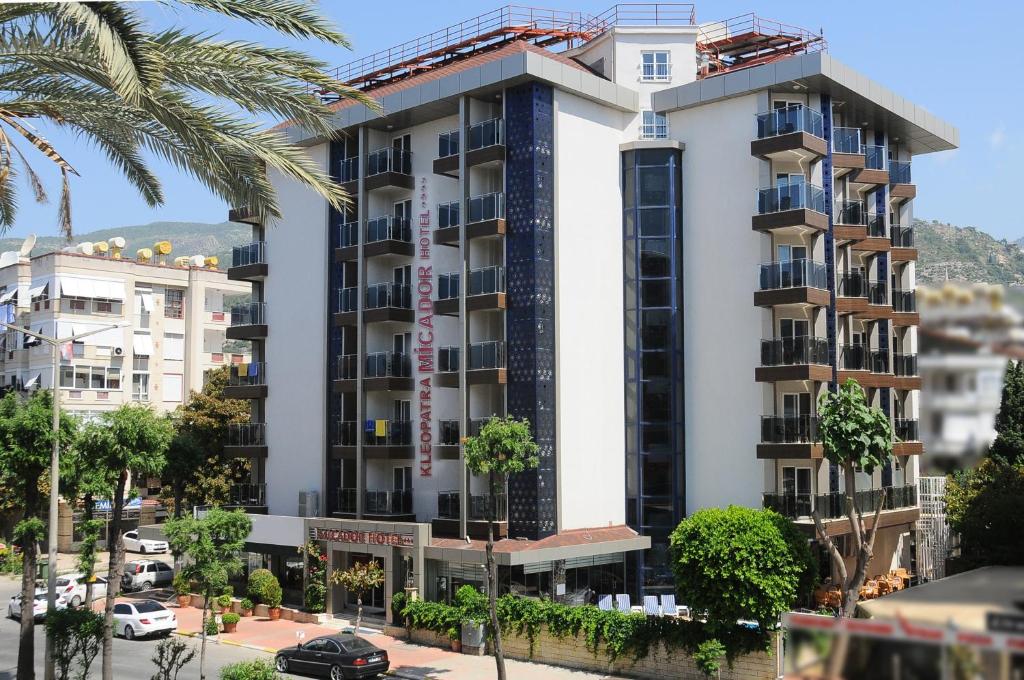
[{"x": 793, "y": 118}]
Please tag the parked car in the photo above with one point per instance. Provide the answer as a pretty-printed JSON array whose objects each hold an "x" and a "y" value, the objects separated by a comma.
[
  {"x": 38, "y": 606},
  {"x": 72, "y": 588},
  {"x": 133, "y": 543},
  {"x": 143, "y": 618},
  {"x": 338, "y": 656},
  {"x": 146, "y": 574}
]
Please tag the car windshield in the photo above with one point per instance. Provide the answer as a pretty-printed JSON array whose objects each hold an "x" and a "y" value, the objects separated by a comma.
[
  {"x": 148, "y": 607},
  {"x": 357, "y": 646}
]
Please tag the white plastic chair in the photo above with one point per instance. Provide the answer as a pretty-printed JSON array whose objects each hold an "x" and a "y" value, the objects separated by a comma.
[
  {"x": 651, "y": 607},
  {"x": 622, "y": 602},
  {"x": 668, "y": 606},
  {"x": 604, "y": 603}
]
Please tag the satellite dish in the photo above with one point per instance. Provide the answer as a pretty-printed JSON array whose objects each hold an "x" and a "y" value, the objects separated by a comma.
[
  {"x": 8, "y": 258},
  {"x": 27, "y": 246}
]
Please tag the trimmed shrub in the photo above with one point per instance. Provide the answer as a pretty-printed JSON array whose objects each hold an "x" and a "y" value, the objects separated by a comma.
[
  {"x": 273, "y": 595},
  {"x": 259, "y": 584},
  {"x": 182, "y": 586},
  {"x": 230, "y": 617},
  {"x": 211, "y": 625},
  {"x": 249, "y": 670},
  {"x": 247, "y": 604}
]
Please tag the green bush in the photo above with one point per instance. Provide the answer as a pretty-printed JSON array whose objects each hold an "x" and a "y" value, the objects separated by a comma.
[
  {"x": 230, "y": 617},
  {"x": 273, "y": 595},
  {"x": 708, "y": 657},
  {"x": 398, "y": 602},
  {"x": 10, "y": 561},
  {"x": 247, "y": 604},
  {"x": 181, "y": 584},
  {"x": 439, "y": 617},
  {"x": 211, "y": 625},
  {"x": 249, "y": 670},
  {"x": 76, "y": 635},
  {"x": 229, "y": 591},
  {"x": 260, "y": 581},
  {"x": 472, "y": 602},
  {"x": 224, "y": 600}
]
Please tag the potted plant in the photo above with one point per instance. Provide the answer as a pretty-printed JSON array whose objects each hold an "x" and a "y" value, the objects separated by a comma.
[
  {"x": 224, "y": 602},
  {"x": 182, "y": 589},
  {"x": 273, "y": 600},
  {"x": 247, "y": 606},
  {"x": 230, "y": 621},
  {"x": 211, "y": 625}
]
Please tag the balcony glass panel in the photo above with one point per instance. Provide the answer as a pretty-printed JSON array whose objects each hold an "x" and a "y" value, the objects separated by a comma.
[
  {"x": 906, "y": 429},
  {"x": 448, "y": 144},
  {"x": 484, "y": 355},
  {"x": 345, "y": 433},
  {"x": 448, "y": 286},
  {"x": 447, "y": 359},
  {"x": 874, "y": 157},
  {"x": 396, "y": 433},
  {"x": 899, "y": 172},
  {"x": 247, "y": 434},
  {"x": 904, "y": 300},
  {"x": 382, "y": 295},
  {"x": 833, "y": 505},
  {"x": 852, "y": 285},
  {"x": 347, "y": 367},
  {"x": 793, "y": 118},
  {"x": 447, "y": 214},
  {"x": 448, "y": 505},
  {"x": 846, "y": 140},
  {"x": 790, "y": 197},
  {"x": 486, "y": 133},
  {"x": 250, "y": 494},
  {"x": 388, "y": 365},
  {"x": 249, "y": 314},
  {"x": 877, "y": 293},
  {"x": 853, "y": 358},
  {"x": 486, "y": 207},
  {"x": 850, "y": 212},
  {"x": 486, "y": 280},
  {"x": 389, "y": 159},
  {"x": 388, "y": 502},
  {"x": 901, "y": 237},
  {"x": 905, "y": 364},
  {"x": 448, "y": 432},
  {"x": 348, "y": 234},
  {"x": 878, "y": 361},
  {"x": 876, "y": 226},
  {"x": 789, "y": 429},
  {"x": 798, "y": 350},
  {"x": 252, "y": 253},
  {"x": 388, "y": 228},
  {"x": 348, "y": 299},
  {"x": 792, "y": 274},
  {"x": 349, "y": 171},
  {"x": 248, "y": 375}
]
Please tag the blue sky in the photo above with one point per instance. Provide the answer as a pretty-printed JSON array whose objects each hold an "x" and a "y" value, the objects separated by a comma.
[{"x": 962, "y": 61}]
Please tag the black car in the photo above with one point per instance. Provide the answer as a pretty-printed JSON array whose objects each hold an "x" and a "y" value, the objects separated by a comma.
[{"x": 335, "y": 656}]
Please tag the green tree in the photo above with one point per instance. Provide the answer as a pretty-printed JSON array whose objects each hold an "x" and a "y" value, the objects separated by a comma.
[
  {"x": 504, "y": 446},
  {"x": 86, "y": 481},
  {"x": 740, "y": 563},
  {"x": 211, "y": 545},
  {"x": 102, "y": 71},
  {"x": 359, "y": 579},
  {"x": 984, "y": 505},
  {"x": 130, "y": 439},
  {"x": 171, "y": 656},
  {"x": 26, "y": 446},
  {"x": 1009, "y": 441},
  {"x": 76, "y": 635},
  {"x": 856, "y": 437}
]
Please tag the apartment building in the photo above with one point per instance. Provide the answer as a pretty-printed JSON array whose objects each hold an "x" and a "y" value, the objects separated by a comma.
[
  {"x": 658, "y": 240},
  {"x": 154, "y": 327}
]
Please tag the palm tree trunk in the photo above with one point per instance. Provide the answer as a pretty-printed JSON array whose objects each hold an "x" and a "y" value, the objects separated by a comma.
[
  {"x": 492, "y": 580},
  {"x": 115, "y": 547},
  {"x": 26, "y": 641}
]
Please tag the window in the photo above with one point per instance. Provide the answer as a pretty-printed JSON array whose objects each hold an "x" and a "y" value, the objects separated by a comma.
[
  {"x": 90, "y": 377},
  {"x": 653, "y": 125},
  {"x": 174, "y": 304},
  {"x": 140, "y": 387},
  {"x": 655, "y": 66},
  {"x": 174, "y": 346}
]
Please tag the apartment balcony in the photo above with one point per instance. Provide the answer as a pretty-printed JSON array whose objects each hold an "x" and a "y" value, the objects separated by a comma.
[
  {"x": 247, "y": 381},
  {"x": 248, "y": 321},
  {"x": 245, "y": 215},
  {"x": 485, "y": 145},
  {"x": 795, "y": 133},
  {"x": 797, "y": 358},
  {"x": 898, "y": 506},
  {"x": 905, "y": 372},
  {"x": 381, "y": 438},
  {"x": 875, "y": 172},
  {"x": 486, "y": 291},
  {"x": 849, "y": 220},
  {"x": 478, "y": 512},
  {"x": 485, "y": 219},
  {"x": 486, "y": 365},
  {"x": 383, "y": 302},
  {"x": 246, "y": 440},
  {"x": 249, "y": 262},
  {"x": 387, "y": 168},
  {"x": 847, "y": 149},
  {"x": 904, "y": 308},
  {"x": 384, "y": 235},
  {"x": 796, "y": 208},
  {"x": 876, "y": 238},
  {"x": 792, "y": 282},
  {"x": 247, "y": 495},
  {"x": 393, "y": 504},
  {"x": 900, "y": 184},
  {"x": 902, "y": 241},
  {"x": 448, "y": 439},
  {"x": 389, "y": 371},
  {"x": 346, "y": 373},
  {"x": 869, "y": 367},
  {"x": 908, "y": 439},
  {"x": 789, "y": 437}
]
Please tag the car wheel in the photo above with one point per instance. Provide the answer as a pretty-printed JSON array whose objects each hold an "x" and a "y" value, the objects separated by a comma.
[
  {"x": 10, "y": 612},
  {"x": 147, "y": 585},
  {"x": 281, "y": 664},
  {"x": 142, "y": 549},
  {"x": 336, "y": 673},
  {"x": 76, "y": 601},
  {"x": 129, "y": 633}
]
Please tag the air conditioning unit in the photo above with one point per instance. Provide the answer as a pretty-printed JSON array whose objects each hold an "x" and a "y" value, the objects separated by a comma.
[
  {"x": 309, "y": 504},
  {"x": 118, "y": 351}
]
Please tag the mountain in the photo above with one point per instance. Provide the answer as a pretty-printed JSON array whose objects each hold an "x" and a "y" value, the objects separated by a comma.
[
  {"x": 966, "y": 254},
  {"x": 187, "y": 238}
]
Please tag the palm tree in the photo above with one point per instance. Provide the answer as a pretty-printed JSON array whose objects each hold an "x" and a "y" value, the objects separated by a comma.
[{"x": 98, "y": 69}]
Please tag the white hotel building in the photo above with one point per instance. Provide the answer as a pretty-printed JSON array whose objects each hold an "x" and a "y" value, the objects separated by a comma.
[{"x": 658, "y": 240}]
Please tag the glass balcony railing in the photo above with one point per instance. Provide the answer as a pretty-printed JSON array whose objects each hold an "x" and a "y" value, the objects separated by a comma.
[
  {"x": 389, "y": 159},
  {"x": 388, "y": 228},
  {"x": 906, "y": 430},
  {"x": 852, "y": 286},
  {"x": 853, "y": 358},
  {"x": 878, "y": 361},
  {"x": 447, "y": 359},
  {"x": 448, "y": 214},
  {"x": 901, "y": 237},
  {"x": 846, "y": 140},
  {"x": 346, "y": 433},
  {"x": 348, "y": 299},
  {"x": 448, "y": 286},
  {"x": 478, "y": 510},
  {"x": 348, "y": 234},
  {"x": 789, "y": 429},
  {"x": 345, "y": 500},
  {"x": 387, "y": 502},
  {"x": 247, "y": 434},
  {"x": 833, "y": 505},
  {"x": 790, "y": 505},
  {"x": 448, "y": 432},
  {"x": 482, "y": 281},
  {"x": 904, "y": 364},
  {"x": 484, "y": 355},
  {"x": 347, "y": 367},
  {"x": 798, "y": 350},
  {"x": 904, "y": 300},
  {"x": 486, "y": 133},
  {"x": 250, "y": 494},
  {"x": 249, "y": 314},
  {"x": 349, "y": 171},
  {"x": 248, "y": 375},
  {"x": 876, "y": 226},
  {"x": 851, "y": 212},
  {"x": 486, "y": 207},
  {"x": 448, "y": 144},
  {"x": 448, "y": 505},
  {"x": 252, "y": 253},
  {"x": 899, "y": 172},
  {"x": 874, "y": 157},
  {"x": 384, "y": 295},
  {"x": 387, "y": 433},
  {"x": 793, "y": 118},
  {"x": 388, "y": 365},
  {"x": 877, "y": 293},
  {"x": 792, "y": 274},
  {"x": 790, "y": 197}
]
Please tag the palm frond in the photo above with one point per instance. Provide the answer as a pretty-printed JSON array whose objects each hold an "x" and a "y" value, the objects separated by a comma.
[
  {"x": 296, "y": 18},
  {"x": 64, "y": 212},
  {"x": 41, "y": 144}
]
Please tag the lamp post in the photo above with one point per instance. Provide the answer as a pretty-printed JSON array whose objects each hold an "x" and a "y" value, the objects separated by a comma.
[{"x": 51, "y": 570}]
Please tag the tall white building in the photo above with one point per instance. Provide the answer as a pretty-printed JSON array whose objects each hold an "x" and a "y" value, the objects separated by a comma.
[{"x": 658, "y": 240}]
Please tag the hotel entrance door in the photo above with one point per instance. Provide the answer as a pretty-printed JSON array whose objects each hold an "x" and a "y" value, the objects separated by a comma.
[{"x": 375, "y": 598}]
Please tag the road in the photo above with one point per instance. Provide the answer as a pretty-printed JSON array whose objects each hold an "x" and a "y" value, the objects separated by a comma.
[{"x": 132, "y": 660}]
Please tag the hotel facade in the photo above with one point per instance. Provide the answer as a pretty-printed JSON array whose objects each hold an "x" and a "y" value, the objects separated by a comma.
[{"x": 659, "y": 241}]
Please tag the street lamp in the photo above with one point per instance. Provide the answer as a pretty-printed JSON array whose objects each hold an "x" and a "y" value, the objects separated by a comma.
[{"x": 51, "y": 571}]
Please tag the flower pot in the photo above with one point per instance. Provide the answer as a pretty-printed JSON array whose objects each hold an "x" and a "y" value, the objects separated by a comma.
[
  {"x": 184, "y": 600},
  {"x": 457, "y": 646},
  {"x": 274, "y": 613},
  {"x": 246, "y": 612},
  {"x": 230, "y": 627},
  {"x": 225, "y": 610}
]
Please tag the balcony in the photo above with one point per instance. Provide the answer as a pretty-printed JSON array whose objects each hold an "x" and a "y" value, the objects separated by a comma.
[
  {"x": 248, "y": 321},
  {"x": 875, "y": 238},
  {"x": 907, "y": 376},
  {"x": 847, "y": 151},
  {"x": 902, "y": 241},
  {"x": 795, "y": 207},
  {"x": 486, "y": 291},
  {"x": 388, "y": 371},
  {"x": 388, "y": 235},
  {"x": 485, "y": 144},
  {"x": 247, "y": 440},
  {"x": 478, "y": 513},
  {"x": 348, "y": 174},
  {"x": 247, "y": 381},
  {"x": 832, "y": 506},
  {"x": 381, "y": 438},
  {"x": 792, "y": 133},
  {"x": 447, "y": 232},
  {"x": 346, "y": 372},
  {"x": 383, "y": 302},
  {"x": 789, "y": 437},
  {"x": 389, "y": 168},
  {"x": 486, "y": 218},
  {"x": 800, "y": 281},
  {"x": 249, "y": 495},
  {"x": 904, "y": 307},
  {"x": 908, "y": 439},
  {"x": 486, "y": 365},
  {"x": 900, "y": 183},
  {"x": 448, "y": 439},
  {"x": 348, "y": 242},
  {"x": 801, "y": 357},
  {"x": 249, "y": 262},
  {"x": 850, "y": 219},
  {"x": 391, "y": 503}
]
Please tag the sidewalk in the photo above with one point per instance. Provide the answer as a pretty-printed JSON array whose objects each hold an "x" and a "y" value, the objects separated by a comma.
[{"x": 414, "y": 662}]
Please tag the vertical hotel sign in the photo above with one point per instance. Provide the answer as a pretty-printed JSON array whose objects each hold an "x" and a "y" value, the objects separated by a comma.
[{"x": 425, "y": 333}]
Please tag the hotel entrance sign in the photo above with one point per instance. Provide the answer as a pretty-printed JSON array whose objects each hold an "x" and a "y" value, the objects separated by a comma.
[{"x": 362, "y": 537}]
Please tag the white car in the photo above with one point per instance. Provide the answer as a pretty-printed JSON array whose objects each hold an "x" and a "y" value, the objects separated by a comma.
[
  {"x": 38, "y": 606},
  {"x": 142, "y": 618},
  {"x": 133, "y": 543},
  {"x": 71, "y": 587}
]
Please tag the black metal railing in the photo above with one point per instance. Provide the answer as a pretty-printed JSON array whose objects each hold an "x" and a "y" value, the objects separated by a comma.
[
  {"x": 904, "y": 300},
  {"x": 792, "y": 274},
  {"x": 383, "y": 295},
  {"x": 251, "y": 253},
  {"x": 249, "y": 494},
  {"x": 796, "y": 350},
  {"x": 388, "y": 365},
  {"x": 833, "y": 505},
  {"x": 388, "y": 228},
  {"x": 247, "y": 434},
  {"x": 387, "y": 433},
  {"x": 904, "y": 364},
  {"x": 486, "y": 133},
  {"x": 793, "y": 118},
  {"x": 249, "y": 314},
  {"x": 388, "y": 159},
  {"x": 247, "y": 375},
  {"x": 899, "y": 172},
  {"x": 906, "y": 429},
  {"x": 790, "y": 197},
  {"x": 789, "y": 429},
  {"x": 901, "y": 237}
]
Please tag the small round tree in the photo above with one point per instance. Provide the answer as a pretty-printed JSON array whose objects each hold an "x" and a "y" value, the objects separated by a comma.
[
  {"x": 504, "y": 446},
  {"x": 360, "y": 578},
  {"x": 740, "y": 563}
]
